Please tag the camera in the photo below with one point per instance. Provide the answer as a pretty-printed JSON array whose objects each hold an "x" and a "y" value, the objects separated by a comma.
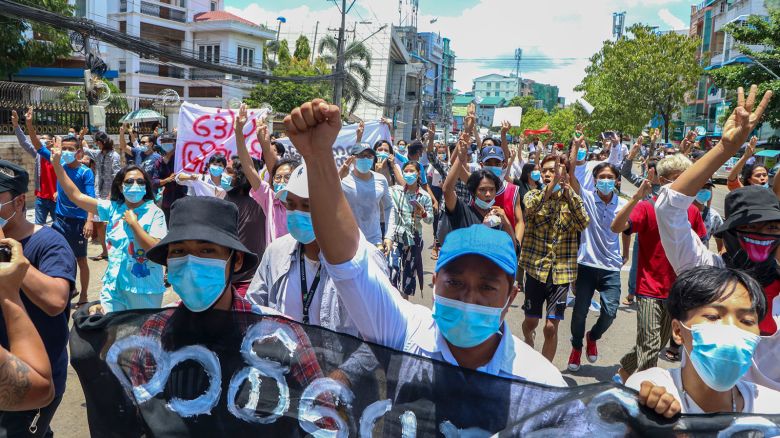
[{"x": 5, "y": 254}]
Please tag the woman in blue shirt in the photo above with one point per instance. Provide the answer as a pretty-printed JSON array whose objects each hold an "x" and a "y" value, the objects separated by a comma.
[{"x": 134, "y": 224}]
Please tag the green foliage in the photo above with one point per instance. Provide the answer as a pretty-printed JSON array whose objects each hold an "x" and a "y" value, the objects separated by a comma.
[
  {"x": 757, "y": 31},
  {"x": 357, "y": 65},
  {"x": 532, "y": 119},
  {"x": 48, "y": 42},
  {"x": 631, "y": 80},
  {"x": 283, "y": 57},
  {"x": 283, "y": 95},
  {"x": 527, "y": 102},
  {"x": 561, "y": 122},
  {"x": 302, "y": 48}
]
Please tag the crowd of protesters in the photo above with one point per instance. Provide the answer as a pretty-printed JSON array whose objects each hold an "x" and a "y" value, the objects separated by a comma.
[{"x": 343, "y": 248}]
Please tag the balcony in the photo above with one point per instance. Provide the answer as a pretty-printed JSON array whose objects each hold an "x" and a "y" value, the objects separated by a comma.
[
  {"x": 164, "y": 71},
  {"x": 163, "y": 12},
  {"x": 202, "y": 73}
]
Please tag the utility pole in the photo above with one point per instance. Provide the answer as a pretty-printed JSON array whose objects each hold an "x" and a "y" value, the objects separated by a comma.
[
  {"x": 314, "y": 46},
  {"x": 87, "y": 78},
  {"x": 418, "y": 115},
  {"x": 338, "y": 89}
]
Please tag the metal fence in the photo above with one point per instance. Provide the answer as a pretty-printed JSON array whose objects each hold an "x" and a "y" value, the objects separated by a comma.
[{"x": 58, "y": 109}]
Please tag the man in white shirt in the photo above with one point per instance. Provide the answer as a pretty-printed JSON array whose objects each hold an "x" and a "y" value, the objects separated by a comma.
[
  {"x": 473, "y": 282},
  {"x": 367, "y": 191},
  {"x": 617, "y": 151}
]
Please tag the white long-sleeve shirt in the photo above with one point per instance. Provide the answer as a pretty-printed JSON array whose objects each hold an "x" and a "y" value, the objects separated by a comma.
[
  {"x": 685, "y": 250},
  {"x": 384, "y": 317}
]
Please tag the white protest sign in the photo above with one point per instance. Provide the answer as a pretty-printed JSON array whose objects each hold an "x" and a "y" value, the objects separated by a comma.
[
  {"x": 205, "y": 131},
  {"x": 373, "y": 132},
  {"x": 512, "y": 114}
]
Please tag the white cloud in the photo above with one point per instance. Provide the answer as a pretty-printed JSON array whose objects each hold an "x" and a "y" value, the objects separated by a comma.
[
  {"x": 671, "y": 20},
  {"x": 565, "y": 32}
]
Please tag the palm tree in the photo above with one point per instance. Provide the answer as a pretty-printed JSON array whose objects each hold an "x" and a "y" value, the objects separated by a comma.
[
  {"x": 271, "y": 50},
  {"x": 357, "y": 66}
]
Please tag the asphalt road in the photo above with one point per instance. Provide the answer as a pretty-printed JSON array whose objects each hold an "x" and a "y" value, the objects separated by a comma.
[{"x": 70, "y": 420}]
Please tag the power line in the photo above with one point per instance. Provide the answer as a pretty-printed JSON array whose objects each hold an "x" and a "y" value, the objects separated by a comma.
[{"x": 139, "y": 45}]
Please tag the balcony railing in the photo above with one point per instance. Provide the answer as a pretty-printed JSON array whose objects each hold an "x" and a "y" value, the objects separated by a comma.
[
  {"x": 202, "y": 73},
  {"x": 161, "y": 70},
  {"x": 163, "y": 12}
]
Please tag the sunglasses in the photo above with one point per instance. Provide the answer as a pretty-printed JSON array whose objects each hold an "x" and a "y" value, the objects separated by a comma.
[{"x": 139, "y": 181}]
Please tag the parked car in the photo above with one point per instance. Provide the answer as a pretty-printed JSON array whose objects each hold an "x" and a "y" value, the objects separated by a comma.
[{"x": 722, "y": 173}]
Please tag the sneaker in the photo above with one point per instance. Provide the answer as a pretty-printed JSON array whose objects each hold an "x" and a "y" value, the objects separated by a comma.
[
  {"x": 591, "y": 349},
  {"x": 574, "y": 359}
]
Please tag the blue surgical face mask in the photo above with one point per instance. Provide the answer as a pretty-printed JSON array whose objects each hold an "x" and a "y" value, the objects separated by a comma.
[
  {"x": 465, "y": 325},
  {"x": 721, "y": 353},
  {"x": 67, "y": 157},
  {"x": 536, "y": 175},
  {"x": 483, "y": 204},
  {"x": 382, "y": 155},
  {"x": 133, "y": 193},
  {"x": 764, "y": 185},
  {"x": 198, "y": 281},
  {"x": 300, "y": 227},
  {"x": 4, "y": 221},
  {"x": 703, "y": 196},
  {"x": 401, "y": 149},
  {"x": 363, "y": 165},
  {"x": 581, "y": 154},
  {"x": 496, "y": 170},
  {"x": 226, "y": 181},
  {"x": 215, "y": 170},
  {"x": 605, "y": 186},
  {"x": 167, "y": 147},
  {"x": 279, "y": 186},
  {"x": 410, "y": 178}
]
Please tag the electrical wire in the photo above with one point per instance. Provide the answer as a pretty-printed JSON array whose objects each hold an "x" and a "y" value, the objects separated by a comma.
[{"x": 139, "y": 45}]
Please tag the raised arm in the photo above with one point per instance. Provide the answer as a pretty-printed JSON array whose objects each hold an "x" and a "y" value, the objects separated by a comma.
[
  {"x": 576, "y": 168},
  {"x": 81, "y": 200},
  {"x": 737, "y": 169},
  {"x": 25, "y": 371},
  {"x": 620, "y": 223},
  {"x": 361, "y": 128},
  {"x": 735, "y": 131},
  {"x": 28, "y": 121},
  {"x": 505, "y": 127},
  {"x": 626, "y": 169},
  {"x": 247, "y": 165},
  {"x": 448, "y": 187},
  {"x": 269, "y": 153},
  {"x": 20, "y": 137}
]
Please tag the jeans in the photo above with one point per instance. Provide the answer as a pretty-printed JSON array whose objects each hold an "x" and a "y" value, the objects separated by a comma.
[
  {"x": 44, "y": 208},
  {"x": 589, "y": 280},
  {"x": 634, "y": 263},
  {"x": 17, "y": 424}
]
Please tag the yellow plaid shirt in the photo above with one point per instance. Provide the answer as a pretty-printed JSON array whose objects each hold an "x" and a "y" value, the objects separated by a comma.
[{"x": 551, "y": 235}]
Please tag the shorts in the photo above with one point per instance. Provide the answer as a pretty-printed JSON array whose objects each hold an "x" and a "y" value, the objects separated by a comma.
[
  {"x": 537, "y": 293},
  {"x": 72, "y": 229}
]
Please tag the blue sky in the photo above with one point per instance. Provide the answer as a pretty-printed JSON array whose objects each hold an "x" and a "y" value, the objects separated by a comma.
[{"x": 557, "y": 36}]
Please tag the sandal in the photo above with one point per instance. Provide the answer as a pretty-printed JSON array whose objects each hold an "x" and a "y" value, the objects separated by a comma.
[
  {"x": 435, "y": 253},
  {"x": 98, "y": 258}
]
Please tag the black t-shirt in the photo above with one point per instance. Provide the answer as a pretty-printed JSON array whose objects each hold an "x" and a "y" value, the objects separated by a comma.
[
  {"x": 462, "y": 216},
  {"x": 49, "y": 252},
  {"x": 251, "y": 228}
]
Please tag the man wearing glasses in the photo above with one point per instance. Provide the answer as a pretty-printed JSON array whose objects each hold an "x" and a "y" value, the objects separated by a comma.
[{"x": 144, "y": 155}]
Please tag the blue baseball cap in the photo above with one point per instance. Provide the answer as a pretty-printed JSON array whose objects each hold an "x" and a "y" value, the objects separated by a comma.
[
  {"x": 489, "y": 152},
  {"x": 494, "y": 245}
]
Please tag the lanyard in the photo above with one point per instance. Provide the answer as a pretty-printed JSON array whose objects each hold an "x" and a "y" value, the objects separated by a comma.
[{"x": 308, "y": 295}]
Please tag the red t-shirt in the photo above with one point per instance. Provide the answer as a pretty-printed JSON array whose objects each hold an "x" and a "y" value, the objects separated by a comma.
[
  {"x": 654, "y": 274},
  {"x": 507, "y": 199},
  {"x": 768, "y": 326},
  {"x": 48, "y": 180}
]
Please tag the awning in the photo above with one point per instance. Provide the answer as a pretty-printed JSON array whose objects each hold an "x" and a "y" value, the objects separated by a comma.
[
  {"x": 767, "y": 153},
  {"x": 141, "y": 115},
  {"x": 739, "y": 60}
]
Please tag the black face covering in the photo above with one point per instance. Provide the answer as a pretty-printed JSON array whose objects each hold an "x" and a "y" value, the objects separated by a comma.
[{"x": 736, "y": 257}]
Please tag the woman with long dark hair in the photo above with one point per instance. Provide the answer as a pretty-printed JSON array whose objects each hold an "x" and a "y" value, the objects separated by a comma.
[{"x": 134, "y": 224}]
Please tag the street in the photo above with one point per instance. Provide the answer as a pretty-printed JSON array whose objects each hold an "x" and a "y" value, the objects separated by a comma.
[{"x": 71, "y": 418}]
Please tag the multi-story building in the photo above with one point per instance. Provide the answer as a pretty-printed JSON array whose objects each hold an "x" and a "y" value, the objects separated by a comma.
[
  {"x": 497, "y": 85},
  {"x": 547, "y": 95},
  {"x": 448, "y": 82},
  {"x": 708, "y": 104},
  {"x": 197, "y": 28},
  {"x": 432, "y": 50}
]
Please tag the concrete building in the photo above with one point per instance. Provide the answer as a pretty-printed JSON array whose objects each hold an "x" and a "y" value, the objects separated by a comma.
[
  {"x": 432, "y": 50},
  {"x": 448, "y": 83},
  {"x": 707, "y": 104},
  {"x": 547, "y": 95},
  {"x": 497, "y": 85},
  {"x": 198, "y": 28}
]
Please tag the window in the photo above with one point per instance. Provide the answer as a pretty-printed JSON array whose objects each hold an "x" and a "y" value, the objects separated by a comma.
[
  {"x": 213, "y": 6},
  {"x": 489, "y": 85},
  {"x": 123, "y": 26},
  {"x": 81, "y": 8},
  {"x": 208, "y": 92},
  {"x": 209, "y": 53},
  {"x": 246, "y": 56}
]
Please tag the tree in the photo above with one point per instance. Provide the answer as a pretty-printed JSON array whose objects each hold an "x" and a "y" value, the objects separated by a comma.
[
  {"x": 283, "y": 96},
  {"x": 302, "y": 48},
  {"x": 269, "y": 54},
  {"x": 283, "y": 57},
  {"x": 533, "y": 119},
  {"x": 562, "y": 122},
  {"x": 633, "y": 79},
  {"x": 757, "y": 31},
  {"x": 357, "y": 66},
  {"x": 527, "y": 102},
  {"x": 47, "y": 45}
]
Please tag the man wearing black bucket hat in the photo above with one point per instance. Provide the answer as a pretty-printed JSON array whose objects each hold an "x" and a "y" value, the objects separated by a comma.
[
  {"x": 751, "y": 231},
  {"x": 202, "y": 252}
]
